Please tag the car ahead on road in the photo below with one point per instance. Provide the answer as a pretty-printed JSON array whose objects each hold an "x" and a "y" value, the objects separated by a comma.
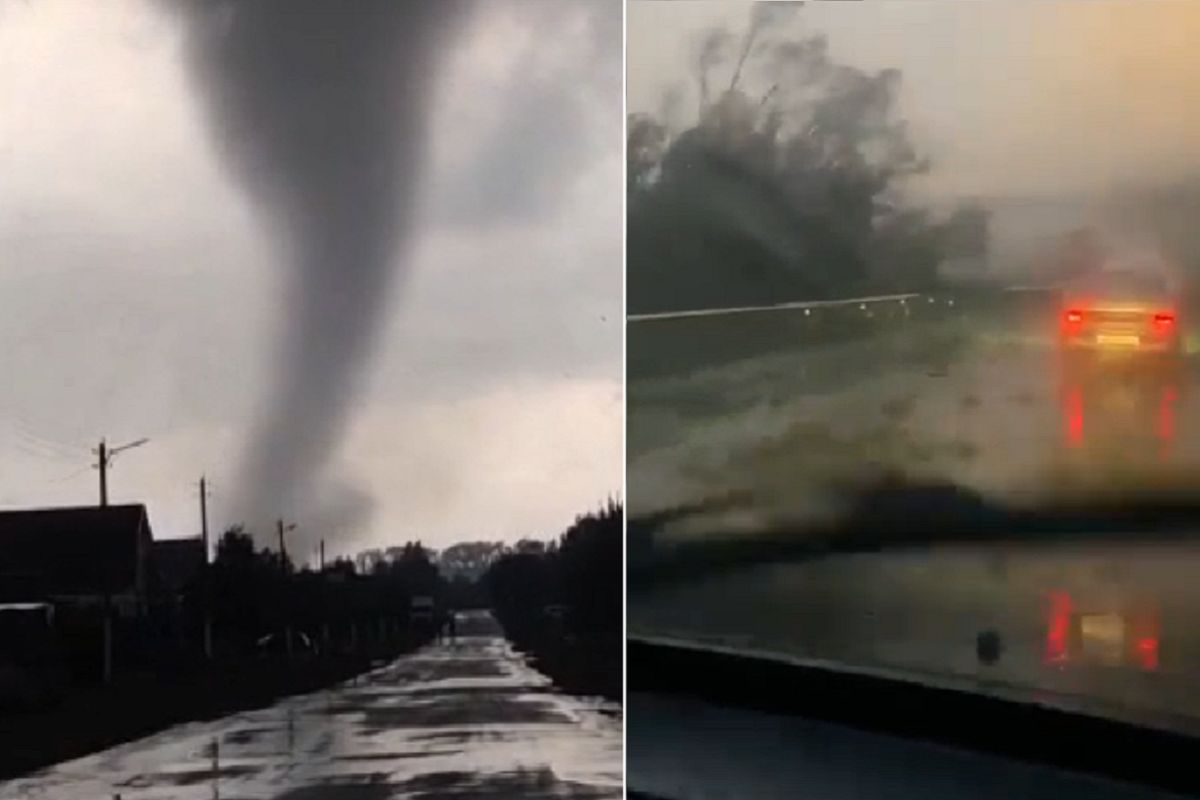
[
  {"x": 1105, "y": 630},
  {"x": 1134, "y": 311}
]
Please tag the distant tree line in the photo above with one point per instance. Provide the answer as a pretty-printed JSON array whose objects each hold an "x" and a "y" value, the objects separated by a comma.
[
  {"x": 788, "y": 184},
  {"x": 575, "y": 581},
  {"x": 251, "y": 593}
]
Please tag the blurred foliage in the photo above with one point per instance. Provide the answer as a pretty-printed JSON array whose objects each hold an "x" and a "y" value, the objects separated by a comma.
[{"x": 788, "y": 186}]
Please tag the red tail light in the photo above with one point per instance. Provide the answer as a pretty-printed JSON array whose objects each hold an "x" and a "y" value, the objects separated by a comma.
[
  {"x": 1146, "y": 650},
  {"x": 1164, "y": 319},
  {"x": 1074, "y": 317},
  {"x": 1058, "y": 629}
]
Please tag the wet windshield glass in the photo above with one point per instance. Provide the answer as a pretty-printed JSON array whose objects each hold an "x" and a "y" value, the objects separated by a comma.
[
  {"x": 853, "y": 311},
  {"x": 1127, "y": 283}
]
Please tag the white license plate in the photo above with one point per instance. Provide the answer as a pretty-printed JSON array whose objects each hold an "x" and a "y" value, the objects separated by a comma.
[
  {"x": 1103, "y": 637},
  {"x": 1123, "y": 340}
]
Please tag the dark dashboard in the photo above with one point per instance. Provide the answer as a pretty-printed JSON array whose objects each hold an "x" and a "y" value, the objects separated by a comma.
[{"x": 709, "y": 724}]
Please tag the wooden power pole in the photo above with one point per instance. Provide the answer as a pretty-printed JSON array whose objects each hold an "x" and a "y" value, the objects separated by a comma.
[
  {"x": 102, "y": 462},
  {"x": 282, "y": 548},
  {"x": 104, "y": 457},
  {"x": 204, "y": 576},
  {"x": 204, "y": 516}
]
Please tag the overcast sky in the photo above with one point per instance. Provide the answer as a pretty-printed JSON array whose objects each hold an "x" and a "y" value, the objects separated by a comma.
[
  {"x": 1006, "y": 96},
  {"x": 139, "y": 294}
]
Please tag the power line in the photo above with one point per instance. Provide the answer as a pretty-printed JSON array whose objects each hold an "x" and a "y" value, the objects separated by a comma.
[
  {"x": 70, "y": 475},
  {"x": 41, "y": 445}
]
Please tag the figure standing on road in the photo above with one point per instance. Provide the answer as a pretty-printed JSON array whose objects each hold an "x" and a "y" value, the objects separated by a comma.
[{"x": 452, "y": 625}]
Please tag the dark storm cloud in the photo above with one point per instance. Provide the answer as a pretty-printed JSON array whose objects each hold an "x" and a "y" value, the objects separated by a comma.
[{"x": 549, "y": 124}]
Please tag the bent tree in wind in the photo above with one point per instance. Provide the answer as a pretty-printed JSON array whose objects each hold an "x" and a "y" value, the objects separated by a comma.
[{"x": 787, "y": 185}]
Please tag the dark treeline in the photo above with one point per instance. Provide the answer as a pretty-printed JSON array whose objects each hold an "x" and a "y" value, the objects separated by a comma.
[
  {"x": 255, "y": 593},
  {"x": 562, "y": 601},
  {"x": 789, "y": 184}
]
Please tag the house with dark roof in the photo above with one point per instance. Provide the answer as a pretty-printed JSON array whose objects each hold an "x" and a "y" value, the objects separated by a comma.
[
  {"x": 90, "y": 555},
  {"x": 177, "y": 563}
]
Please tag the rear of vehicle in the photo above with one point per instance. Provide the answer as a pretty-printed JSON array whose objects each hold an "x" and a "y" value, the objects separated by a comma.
[{"x": 1125, "y": 311}]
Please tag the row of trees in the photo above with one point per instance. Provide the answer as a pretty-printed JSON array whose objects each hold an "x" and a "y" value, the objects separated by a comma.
[
  {"x": 581, "y": 572},
  {"x": 788, "y": 184},
  {"x": 253, "y": 592}
]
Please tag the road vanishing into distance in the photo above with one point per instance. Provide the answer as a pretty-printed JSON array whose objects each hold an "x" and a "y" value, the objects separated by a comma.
[
  {"x": 971, "y": 396},
  {"x": 466, "y": 719}
]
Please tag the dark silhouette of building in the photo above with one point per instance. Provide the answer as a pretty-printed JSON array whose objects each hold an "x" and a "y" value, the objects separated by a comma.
[
  {"x": 85, "y": 556},
  {"x": 177, "y": 563}
]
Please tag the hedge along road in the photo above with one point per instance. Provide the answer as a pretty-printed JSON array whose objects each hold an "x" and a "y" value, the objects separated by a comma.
[
  {"x": 466, "y": 719},
  {"x": 781, "y": 404}
]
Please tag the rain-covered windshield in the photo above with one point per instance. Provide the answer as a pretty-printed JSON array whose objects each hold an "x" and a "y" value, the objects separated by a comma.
[
  {"x": 1126, "y": 283},
  {"x": 854, "y": 230}
]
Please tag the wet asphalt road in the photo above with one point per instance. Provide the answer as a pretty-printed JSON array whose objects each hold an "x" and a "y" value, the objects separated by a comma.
[
  {"x": 987, "y": 404},
  {"x": 468, "y": 719},
  {"x": 984, "y": 403}
]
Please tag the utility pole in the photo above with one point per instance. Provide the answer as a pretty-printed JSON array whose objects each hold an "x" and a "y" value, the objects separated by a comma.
[
  {"x": 104, "y": 459},
  {"x": 283, "y": 550},
  {"x": 283, "y": 571},
  {"x": 102, "y": 462},
  {"x": 204, "y": 570},
  {"x": 204, "y": 517},
  {"x": 321, "y": 561}
]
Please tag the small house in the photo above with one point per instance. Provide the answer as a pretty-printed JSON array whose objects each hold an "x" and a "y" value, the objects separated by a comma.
[{"x": 81, "y": 556}]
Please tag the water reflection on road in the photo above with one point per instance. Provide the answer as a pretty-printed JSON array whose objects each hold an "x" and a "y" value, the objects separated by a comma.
[
  {"x": 462, "y": 720},
  {"x": 986, "y": 406},
  {"x": 1105, "y": 630},
  {"x": 993, "y": 410}
]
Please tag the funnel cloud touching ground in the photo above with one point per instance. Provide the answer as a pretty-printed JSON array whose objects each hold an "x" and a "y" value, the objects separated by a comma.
[
  {"x": 320, "y": 113},
  {"x": 160, "y": 273}
]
